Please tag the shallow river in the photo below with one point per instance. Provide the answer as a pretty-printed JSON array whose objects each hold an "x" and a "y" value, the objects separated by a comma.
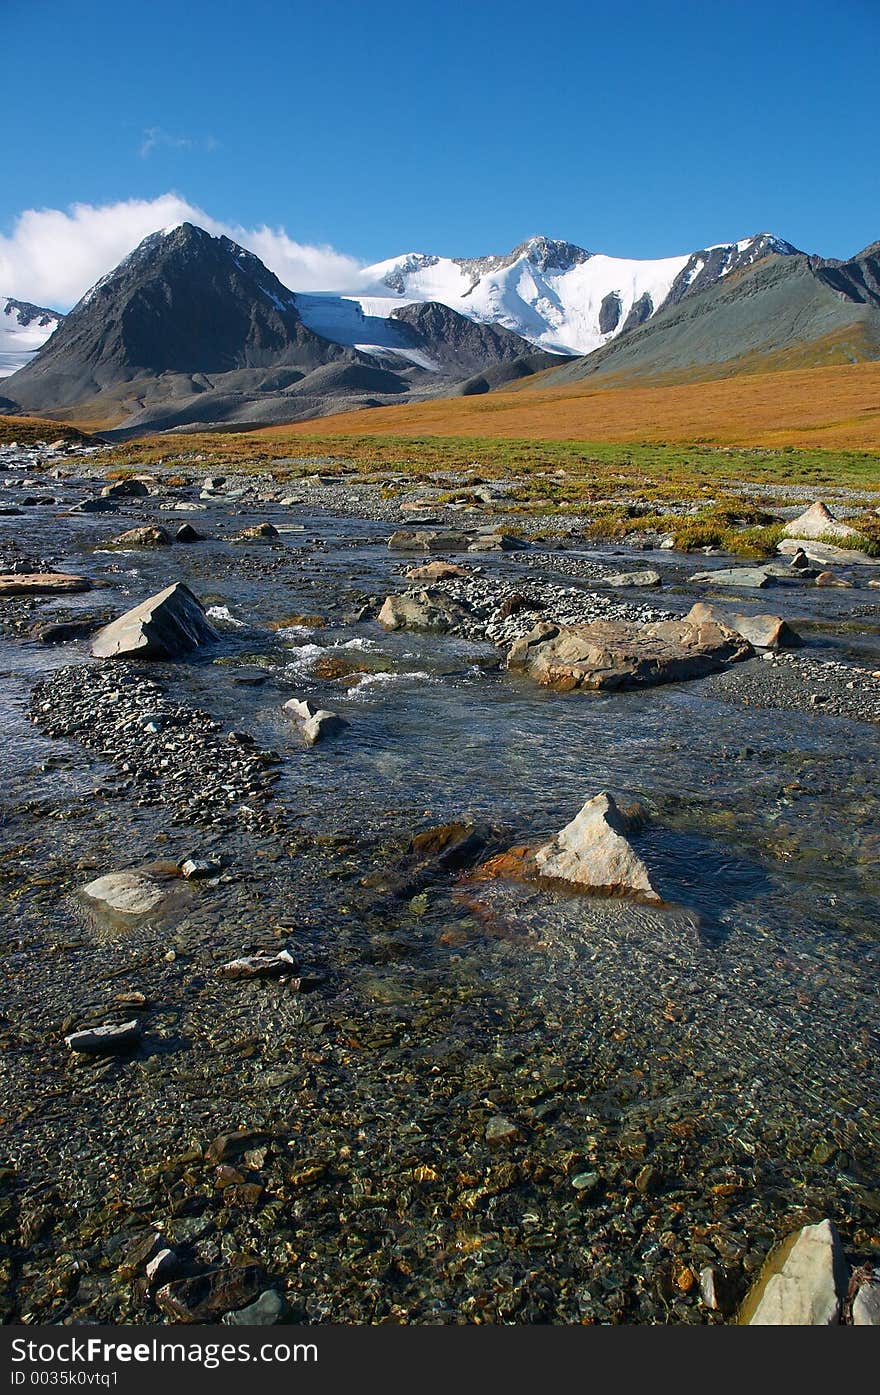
[{"x": 684, "y": 1084}]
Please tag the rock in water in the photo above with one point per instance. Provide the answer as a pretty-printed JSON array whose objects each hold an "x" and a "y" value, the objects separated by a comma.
[
  {"x": 259, "y": 966},
  {"x": 829, "y": 579},
  {"x": 41, "y": 583},
  {"x": 315, "y": 722},
  {"x": 826, "y": 554},
  {"x": 592, "y": 852},
  {"x": 763, "y": 631},
  {"x": 621, "y": 581},
  {"x": 819, "y": 522},
  {"x": 609, "y": 654},
  {"x": 127, "y": 893},
  {"x": 421, "y": 610},
  {"x": 125, "y": 489},
  {"x": 148, "y": 536},
  {"x": 752, "y": 578},
  {"x": 866, "y": 1304},
  {"x": 428, "y": 541},
  {"x": 496, "y": 542},
  {"x": 265, "y": 1311},
  {"x": 106, "y": 1040},
  {"x": 802, "y": 1284},
  {"x": 168, "y": 625},
  {"x": 437, "y": 571}
]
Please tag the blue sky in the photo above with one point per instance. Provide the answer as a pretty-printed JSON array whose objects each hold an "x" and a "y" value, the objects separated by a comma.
[{"x": 634, "y": 128}]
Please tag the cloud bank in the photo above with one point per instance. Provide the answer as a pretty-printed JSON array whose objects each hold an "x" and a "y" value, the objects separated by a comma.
[{"x": 53, "y": 256}]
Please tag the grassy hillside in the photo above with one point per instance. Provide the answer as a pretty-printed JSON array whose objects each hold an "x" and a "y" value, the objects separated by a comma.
[{"x": 836, "y": 407}]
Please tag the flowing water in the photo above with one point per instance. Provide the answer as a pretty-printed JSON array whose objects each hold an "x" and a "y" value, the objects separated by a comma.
[{"x": 684, "y": 1084}]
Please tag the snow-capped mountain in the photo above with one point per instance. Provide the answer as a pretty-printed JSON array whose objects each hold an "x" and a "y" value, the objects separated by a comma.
[
  {"x": 24, "y": 328},
  {"x": 558, "y": 296}
]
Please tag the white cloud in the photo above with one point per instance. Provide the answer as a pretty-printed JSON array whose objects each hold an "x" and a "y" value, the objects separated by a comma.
[
  {"x": 155, "y": 137},
  {"x": 52, "y": 256}
]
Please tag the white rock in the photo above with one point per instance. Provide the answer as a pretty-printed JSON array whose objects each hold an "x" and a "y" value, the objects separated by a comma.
[
  {"x": 818, "y": 521},
  {"x": 803, "y": 1283}
]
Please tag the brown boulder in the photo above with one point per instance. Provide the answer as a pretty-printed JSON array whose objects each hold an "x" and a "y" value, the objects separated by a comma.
[
  {"x": 763, "y": 631},
  {"x": 41, "y": 583},
  {"x": 149, "y": 536},
  {"x": 436, "y": 571},
  {"x": 611, "y": 654}
]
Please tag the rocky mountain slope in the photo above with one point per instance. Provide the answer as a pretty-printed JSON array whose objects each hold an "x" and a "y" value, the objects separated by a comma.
[
  {"x": 788, "y": 311},
  {"x": 193, "y": 329}
]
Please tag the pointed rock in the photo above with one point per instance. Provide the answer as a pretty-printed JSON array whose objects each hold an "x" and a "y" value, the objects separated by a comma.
[
  {"x": 166, "y": 626},
  {"x": 593, "y": 853},
  {"x": 802, "y": 1284},
  {"x": 819, "y": 522}
]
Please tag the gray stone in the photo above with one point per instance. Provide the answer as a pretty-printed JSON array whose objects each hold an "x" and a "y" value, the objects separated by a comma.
[
  {"x": 186, "y": 533},
  {"x": 315, "y": 722},
  {"x": 166, "y": 626},
  {"x": 149, "y": 536},
  {"x": 259, "y": 966},
  {"x": 802, "y": 1284},
  {"x": 866, "y": 1304},
  {"x": 751, "y": 578},
  {"x": 125, "y": 489},
  {"x": 127, "y": 893},
  {"x": 429, "y": 610},
  {"x": 197, "y": 867},
  {"x": 162, "y": 1266},
  {"x": 95, "y": 506},
  {"x": 621, "y": 581},
  {"x": 496, "y": 542},
  {"x": 428, "y": 541},
  {"x": 106, "y": 1040},
  {"x": 827, "y": 553},
  {"x": 501, "y": 1130}
]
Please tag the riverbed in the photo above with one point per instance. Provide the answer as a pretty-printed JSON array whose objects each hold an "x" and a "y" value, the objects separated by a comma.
[{"x": 683, "y": 1084}]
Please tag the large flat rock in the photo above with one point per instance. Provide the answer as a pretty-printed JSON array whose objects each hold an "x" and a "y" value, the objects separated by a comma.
[
  {"x": 827, "y": 552},
  {"x": 749, "y": 578},
  {"x": 41, "y": 583},
  {"x": 763, "y": 631},
  {"x": 166, "y": 626},
  {"x": 427, "y": 540},
  {"x": 610, "y": 654}
]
